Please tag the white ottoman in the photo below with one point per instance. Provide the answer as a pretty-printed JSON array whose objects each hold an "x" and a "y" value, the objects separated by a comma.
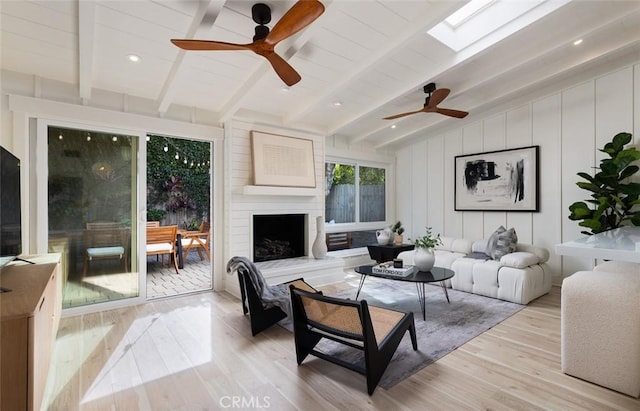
[{"x": 600, "y": 328}]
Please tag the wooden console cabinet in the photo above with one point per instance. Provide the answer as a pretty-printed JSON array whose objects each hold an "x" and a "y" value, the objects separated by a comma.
[{"x": 30, "y": 316}]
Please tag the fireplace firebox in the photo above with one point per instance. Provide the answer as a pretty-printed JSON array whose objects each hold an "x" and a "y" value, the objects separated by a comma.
[{"x": 278, "y": 236}]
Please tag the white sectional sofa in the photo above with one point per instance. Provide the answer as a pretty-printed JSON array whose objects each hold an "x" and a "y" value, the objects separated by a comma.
[{"x": 519, "y": 277}]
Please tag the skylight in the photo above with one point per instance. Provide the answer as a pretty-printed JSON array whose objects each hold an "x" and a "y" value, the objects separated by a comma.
[
  {"x": 483, "y": 23},
  {"x": 467, "y": 11}
]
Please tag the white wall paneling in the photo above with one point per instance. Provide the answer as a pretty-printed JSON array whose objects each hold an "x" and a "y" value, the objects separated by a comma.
[
  {"x": 569, "y": 125},
  {"x": 452, "y": 218},
  {"x": 472, "y": 225},
  {"x": 613, "y": 106},
  {"x": 518, "y": 128},
  {"x": 636, "y": 104},
  {"x": 578, "y": 136},
  {"x": 546, "y": 132},
  {"x": 493, "y": 140},
  {"x": 419, "y": 186},
  {"x": 404, "y": 191},
  {"x": 435, "y": 185}
]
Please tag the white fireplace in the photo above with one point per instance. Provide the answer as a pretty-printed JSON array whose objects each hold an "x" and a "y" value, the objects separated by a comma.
[{"x": 246, "y": 201}]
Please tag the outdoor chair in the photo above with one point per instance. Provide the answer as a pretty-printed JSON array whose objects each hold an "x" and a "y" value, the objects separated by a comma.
[
  {"x": 374, "y": 330},
  {"x": 262, "y": 317},
  {"x": 105, "y": 241},
  {"x": 198, "y": 240},
  {"x": 162, "y": 241},
  {"x": 153, "y": 223}
]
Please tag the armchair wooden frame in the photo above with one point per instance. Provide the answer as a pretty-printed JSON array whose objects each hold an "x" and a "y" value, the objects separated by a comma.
[
  {"x": 260, "y": 317},
  {"x": 374, "y": 330},
  {"x": 198, "y": 240},
  {"x": 162, "y": 241}
]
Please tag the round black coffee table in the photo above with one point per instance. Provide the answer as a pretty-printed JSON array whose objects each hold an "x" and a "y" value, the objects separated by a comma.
[{"x": 420, "y": 278}]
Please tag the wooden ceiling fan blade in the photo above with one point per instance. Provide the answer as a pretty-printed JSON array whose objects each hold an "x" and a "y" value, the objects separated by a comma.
[
  {"x": 283, "y": 69},
  {"x": 437, "y": 96},
  {"x": 209, "y": 45},
  {"x": 404, "y": 114},
  {"x": 452, "y": 113},
  {"x": 303, "y": 13}
]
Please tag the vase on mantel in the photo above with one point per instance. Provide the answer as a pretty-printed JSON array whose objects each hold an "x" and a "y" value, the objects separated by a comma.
[{"x": 319, "y": 247}]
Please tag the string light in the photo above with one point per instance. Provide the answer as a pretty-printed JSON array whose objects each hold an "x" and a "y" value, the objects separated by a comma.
[{"x": 177, "y": 153}]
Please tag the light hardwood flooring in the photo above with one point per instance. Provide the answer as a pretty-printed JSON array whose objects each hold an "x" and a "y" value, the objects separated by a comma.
[{"x": 196, "y": 353}]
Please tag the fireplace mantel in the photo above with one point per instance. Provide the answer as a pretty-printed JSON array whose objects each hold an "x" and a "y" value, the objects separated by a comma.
[{"x": 280, "y": 191}]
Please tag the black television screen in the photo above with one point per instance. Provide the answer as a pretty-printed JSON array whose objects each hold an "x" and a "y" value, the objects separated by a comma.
[{"x": 10, "y": 217}]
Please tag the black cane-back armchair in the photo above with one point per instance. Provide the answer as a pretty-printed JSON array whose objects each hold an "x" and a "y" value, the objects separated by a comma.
[
  {"x": 262, "y": 317},
  {"x": 374, "y": 330}
]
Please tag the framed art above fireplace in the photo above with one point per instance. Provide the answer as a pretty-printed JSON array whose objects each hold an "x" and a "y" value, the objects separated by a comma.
[
  {"x": 282, "y": 161},
  {"x": 504, "y": 180}
]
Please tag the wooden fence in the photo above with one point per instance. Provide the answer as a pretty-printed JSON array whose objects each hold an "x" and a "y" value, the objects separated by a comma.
[{"x": 340, "y": 203}]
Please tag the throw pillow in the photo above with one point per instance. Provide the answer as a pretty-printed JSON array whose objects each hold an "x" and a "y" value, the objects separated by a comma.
[
  {"x": 493, "y": 239},
  {"x": 478, "y": 256},
  {"x": 502, "y": 242}
]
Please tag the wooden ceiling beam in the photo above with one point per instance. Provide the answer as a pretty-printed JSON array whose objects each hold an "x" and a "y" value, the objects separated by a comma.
[{"x": 202, "y": 23}]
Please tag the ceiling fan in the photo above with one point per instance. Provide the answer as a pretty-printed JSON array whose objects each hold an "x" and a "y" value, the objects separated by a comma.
[
  {"x": 299, "y": 16},
  {"x": 434, "y": 98}
]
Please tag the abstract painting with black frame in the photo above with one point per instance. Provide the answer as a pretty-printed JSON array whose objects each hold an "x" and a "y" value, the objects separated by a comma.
[{"x": 504, "y": 180}]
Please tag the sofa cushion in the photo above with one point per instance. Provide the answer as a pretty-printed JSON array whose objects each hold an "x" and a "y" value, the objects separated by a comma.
[
  {"x": 502, "y": 242},
  {"x": 455, "y": 245},
  {"x": 519, "y": 259},
  {"x": 542, "y": 253}
]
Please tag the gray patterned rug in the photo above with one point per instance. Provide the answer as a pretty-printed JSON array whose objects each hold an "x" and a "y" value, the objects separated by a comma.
[{"x": 447, "y": 327}]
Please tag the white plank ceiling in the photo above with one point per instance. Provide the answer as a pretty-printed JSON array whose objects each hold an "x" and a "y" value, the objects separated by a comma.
[{"x": 373, "y": 56}]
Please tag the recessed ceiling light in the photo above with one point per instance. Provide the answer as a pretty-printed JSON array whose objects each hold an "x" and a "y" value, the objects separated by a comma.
[
  {"x": 337, "y": 103},
  {"x": 133, "y": 57},
  {"x": 393, "y": 126},
  {"x": 577, "y": 42}
]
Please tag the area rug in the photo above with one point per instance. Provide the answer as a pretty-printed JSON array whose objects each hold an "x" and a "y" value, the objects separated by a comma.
[{"x": 447, "y": 326}]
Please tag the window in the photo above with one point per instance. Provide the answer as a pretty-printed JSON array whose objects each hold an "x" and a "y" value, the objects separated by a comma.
[{"x": 355, "y": 199}]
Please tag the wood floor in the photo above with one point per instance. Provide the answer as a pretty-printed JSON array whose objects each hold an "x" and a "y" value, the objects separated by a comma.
[{"x": 197, "y": 353}]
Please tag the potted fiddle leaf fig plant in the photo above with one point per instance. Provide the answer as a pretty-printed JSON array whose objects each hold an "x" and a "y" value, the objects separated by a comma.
[
  {"x": 614, "y": 197},
  {"x": 423, "y": 257}
]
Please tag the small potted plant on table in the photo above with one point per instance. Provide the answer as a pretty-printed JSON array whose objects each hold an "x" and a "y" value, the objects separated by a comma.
[{"x": 398, "y": 229}]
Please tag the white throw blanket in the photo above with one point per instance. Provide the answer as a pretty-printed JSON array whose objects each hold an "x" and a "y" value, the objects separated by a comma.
[{"x": 270, "y": 295}]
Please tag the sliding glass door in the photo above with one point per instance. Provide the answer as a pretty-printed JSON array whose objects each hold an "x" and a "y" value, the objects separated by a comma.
[
  {"x": 179, "y": 193},
  {"x": 92, "y": 189}
]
